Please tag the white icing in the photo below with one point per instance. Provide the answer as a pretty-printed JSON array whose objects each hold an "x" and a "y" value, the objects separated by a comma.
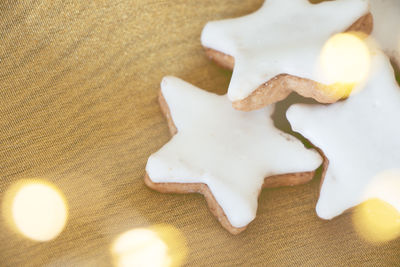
[
  {"x": 360, "y": 137},
  {"x": 283, "y": 36},
  {"x": 386, "y": 30},
  {"x": 230, "y": 151}
]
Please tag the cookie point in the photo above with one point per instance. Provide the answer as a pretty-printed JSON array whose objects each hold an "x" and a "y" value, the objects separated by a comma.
[
  {"x": 317, "y": 159},
  {"x": 204, "y": 32},
  {"x": 165, "y": 80},
  {"x": 291, "y": 114},
  {"x": 322, "y": 212},
  {"x": 210, "y": 34},
  {"x": 234, "y": 95}
]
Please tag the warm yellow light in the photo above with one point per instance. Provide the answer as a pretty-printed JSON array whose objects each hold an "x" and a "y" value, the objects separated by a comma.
[
  {"x": 141, "y": 247},
  {"x": 378, "y": 219},
  {"x": 38, "y": 211},
  {"x": 155, "y": 246},
  {"x": 345, "y": 62}
]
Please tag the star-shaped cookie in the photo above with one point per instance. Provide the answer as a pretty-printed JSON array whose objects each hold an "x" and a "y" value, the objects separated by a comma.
[
  {"x": 360, "y": 137},
  {"x": 225, "y": 154},
  {"x": 275, "y": 50},
  {"x": 386, "y": 30}
]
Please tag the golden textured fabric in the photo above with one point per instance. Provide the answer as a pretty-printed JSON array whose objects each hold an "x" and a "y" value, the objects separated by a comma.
[{"x": 78, "y": 91}]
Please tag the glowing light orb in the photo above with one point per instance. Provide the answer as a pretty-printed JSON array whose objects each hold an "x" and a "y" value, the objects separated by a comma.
[
  {"x": 345, "y": 62},
  {"x": 155, "y": 246},
  {"x": 378, "y": 219},
  {"x": 39, "y": 211}
]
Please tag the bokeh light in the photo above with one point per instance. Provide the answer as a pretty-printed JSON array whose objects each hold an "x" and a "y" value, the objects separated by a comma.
[
  {"x": 344, "y": 63},
  {"x": 36, "y": 209},
  {"x": 378, "y": 219},
  {"x": 160, "y": 245}
]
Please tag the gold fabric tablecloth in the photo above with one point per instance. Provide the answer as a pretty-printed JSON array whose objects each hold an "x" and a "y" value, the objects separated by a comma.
[{"x": 78, "y": 91}]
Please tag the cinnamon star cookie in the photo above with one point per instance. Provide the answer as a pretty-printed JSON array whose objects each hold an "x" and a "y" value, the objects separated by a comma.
[
  {"x": 275, "y": 50},
  {"x": 360, "y": 136},
  {"x": 224, "y": 154}
]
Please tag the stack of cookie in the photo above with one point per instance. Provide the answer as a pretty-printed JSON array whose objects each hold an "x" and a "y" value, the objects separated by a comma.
[{"x": 227, "y": 147}]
